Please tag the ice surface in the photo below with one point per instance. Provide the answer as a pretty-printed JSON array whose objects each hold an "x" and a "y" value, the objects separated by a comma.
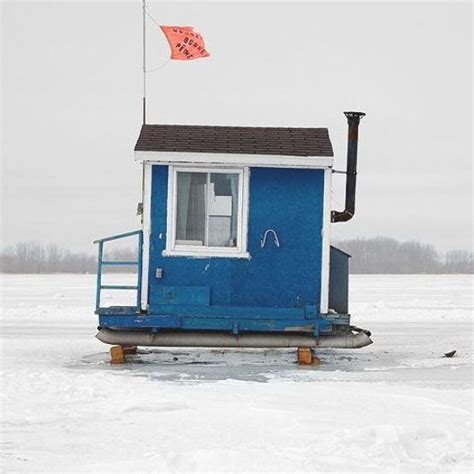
[{"x": 395, "y": 406}]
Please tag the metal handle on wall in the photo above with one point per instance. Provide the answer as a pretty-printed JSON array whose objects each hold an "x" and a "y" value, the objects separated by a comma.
[{"x": 263, "y": 241}]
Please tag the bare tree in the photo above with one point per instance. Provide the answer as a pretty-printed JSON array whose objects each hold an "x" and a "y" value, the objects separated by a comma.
[
  {"x": 387, "y": 255},
  {"x": 34, "y": 257},
  {"x": 30, "y": 257},
  {"x": 459, "y": 261},
  {"x": 54, "y": 257}
]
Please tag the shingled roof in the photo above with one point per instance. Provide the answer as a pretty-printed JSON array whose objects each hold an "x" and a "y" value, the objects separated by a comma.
[{"x": 243, "y": 140}]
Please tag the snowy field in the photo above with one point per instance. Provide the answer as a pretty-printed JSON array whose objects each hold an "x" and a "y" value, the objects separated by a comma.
[{"x": 395, "y": 406}]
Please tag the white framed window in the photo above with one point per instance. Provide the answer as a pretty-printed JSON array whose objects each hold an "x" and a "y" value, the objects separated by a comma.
[{"x": 207, "y": 212}]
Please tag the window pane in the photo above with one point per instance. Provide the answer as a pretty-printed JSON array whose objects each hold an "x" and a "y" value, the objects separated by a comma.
[
  {"x": 191, "y": 209},
  {"x": 223, "y": 209}
]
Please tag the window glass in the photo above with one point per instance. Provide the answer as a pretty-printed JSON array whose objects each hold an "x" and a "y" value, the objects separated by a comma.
[
  {"x": 191, "y": 209},
  {"x": 207, "y": 209},
  {"x": 223, "y": 208}
]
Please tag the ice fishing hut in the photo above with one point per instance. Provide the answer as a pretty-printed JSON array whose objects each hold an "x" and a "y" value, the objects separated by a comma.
[{"x": 234, "y": 249}]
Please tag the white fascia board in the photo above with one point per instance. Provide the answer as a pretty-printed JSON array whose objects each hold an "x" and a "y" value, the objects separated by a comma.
[{"x": 234, "y": 159}]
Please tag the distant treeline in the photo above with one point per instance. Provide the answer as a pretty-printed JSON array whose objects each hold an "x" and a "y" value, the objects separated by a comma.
[
  {"x": 386, "y": 255},
  {"x": 375, "y": 255},
  {"x": 35, "y": 257}
]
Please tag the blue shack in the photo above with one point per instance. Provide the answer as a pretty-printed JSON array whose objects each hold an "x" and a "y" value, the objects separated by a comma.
[{"x": 234, "y": 249}]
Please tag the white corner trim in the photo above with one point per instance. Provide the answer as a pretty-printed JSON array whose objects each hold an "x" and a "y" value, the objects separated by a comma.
[
  {"x": 234, "y": 159},
  {"x": 146, "y": 227},
  {"x": 244, "y": 208},
  {"x": 325, "y": 242},
  {"x": 173, "y": 250},
  {"x": 170, "y": 208}
]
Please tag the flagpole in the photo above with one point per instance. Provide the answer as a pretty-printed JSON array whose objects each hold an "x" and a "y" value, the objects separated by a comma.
[
  {"x": 144, "y": 59},
  {"x": 141, "y": 205}
]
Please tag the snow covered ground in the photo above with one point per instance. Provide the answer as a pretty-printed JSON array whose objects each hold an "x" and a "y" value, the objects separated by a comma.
[{"x": 395, "y": 406}]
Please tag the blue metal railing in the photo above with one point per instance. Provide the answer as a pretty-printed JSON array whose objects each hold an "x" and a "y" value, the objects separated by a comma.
[{"x": 101, "y": 262}]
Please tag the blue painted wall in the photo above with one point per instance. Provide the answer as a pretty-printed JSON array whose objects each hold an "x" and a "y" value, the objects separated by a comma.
[{"x": 287, "y": 200}]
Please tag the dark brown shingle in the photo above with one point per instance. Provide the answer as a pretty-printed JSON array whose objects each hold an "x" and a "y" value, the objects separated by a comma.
[{"x": 245, "y": 140}]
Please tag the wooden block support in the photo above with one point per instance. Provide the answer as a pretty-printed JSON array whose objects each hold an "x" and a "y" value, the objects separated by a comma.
[
  {"x": 117, "y": 355},
  {"x": 305, "y": 356}
]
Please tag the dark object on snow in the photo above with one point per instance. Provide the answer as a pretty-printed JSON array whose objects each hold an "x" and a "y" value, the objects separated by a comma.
[{"x": 450, "y": 354}]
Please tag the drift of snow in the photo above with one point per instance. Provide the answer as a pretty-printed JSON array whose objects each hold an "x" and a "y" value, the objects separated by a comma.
[{"x": 397, "y": 405}]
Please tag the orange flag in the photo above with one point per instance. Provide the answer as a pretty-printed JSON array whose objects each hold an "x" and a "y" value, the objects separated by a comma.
[{"x": 185, "y": 43}]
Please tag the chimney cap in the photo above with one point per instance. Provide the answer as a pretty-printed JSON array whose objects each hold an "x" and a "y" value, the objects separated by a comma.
[{"x": 351, "y": 115}]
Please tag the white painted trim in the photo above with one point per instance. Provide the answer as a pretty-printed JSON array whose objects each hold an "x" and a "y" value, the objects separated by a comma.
[
  {"x": 206, "y": 215},
  {"x": 205, "y": 252},
  {"x": 146, "y": 227},
  {"x": 234, "y": 159},
  {"x": 170, "y": 208},
  {"x": 173, "y": 250},
  {"x": 244, "y": 208},
  {"x": 325, "y": 241}
]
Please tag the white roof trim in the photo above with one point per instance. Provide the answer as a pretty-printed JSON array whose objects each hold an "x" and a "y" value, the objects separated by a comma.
[{"x": 234, "y": 159}]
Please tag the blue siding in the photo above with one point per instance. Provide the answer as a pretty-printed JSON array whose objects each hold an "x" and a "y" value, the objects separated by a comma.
[{"x": 287, "y": 200}]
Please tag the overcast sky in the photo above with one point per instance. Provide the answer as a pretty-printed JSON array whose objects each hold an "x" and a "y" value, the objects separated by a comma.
[{"x": 71, "y": 97}]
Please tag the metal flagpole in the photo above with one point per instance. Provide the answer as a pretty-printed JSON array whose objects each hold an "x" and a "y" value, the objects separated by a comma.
[
  {"x": 144, "y": 60},
  {"x": 141, "y": 205}
]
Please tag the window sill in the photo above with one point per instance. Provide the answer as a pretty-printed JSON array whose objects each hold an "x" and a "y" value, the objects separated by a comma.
[{"x": 205, "y": 253}]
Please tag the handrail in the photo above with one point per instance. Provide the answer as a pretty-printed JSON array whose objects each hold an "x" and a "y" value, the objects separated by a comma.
[
  {"x": 101, "y": 262},
  {"x": 118, "y": 236}
]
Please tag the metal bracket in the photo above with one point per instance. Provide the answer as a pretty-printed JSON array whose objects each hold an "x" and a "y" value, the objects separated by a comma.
[{"x": 263, "y": 241}]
